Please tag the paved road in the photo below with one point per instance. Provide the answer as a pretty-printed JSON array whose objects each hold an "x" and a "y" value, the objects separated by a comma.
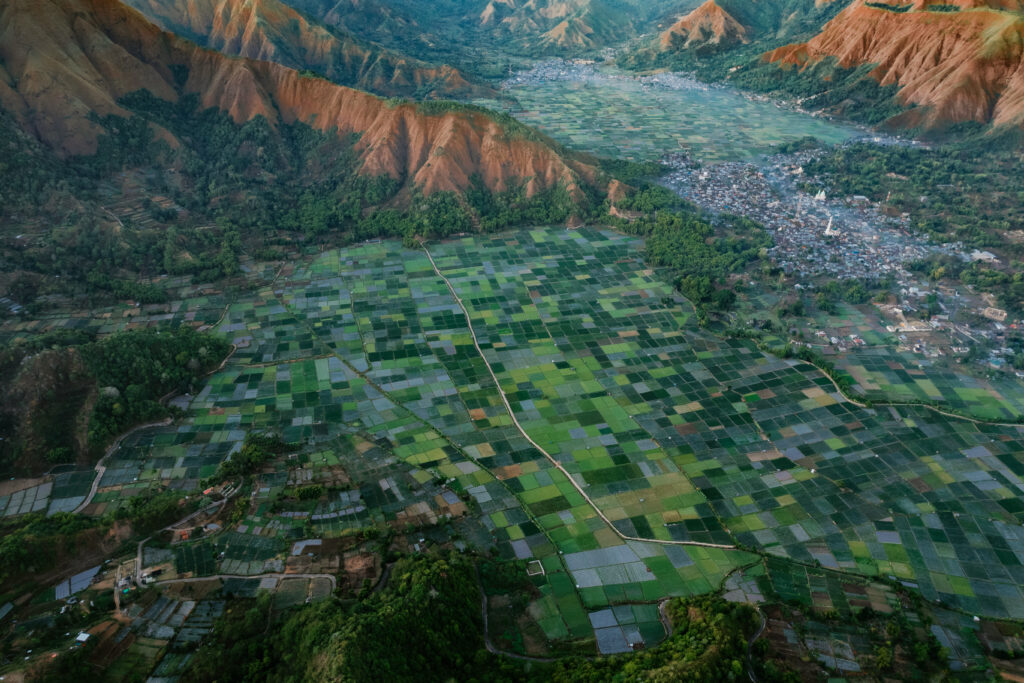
[{"x": 555, "y": 463}]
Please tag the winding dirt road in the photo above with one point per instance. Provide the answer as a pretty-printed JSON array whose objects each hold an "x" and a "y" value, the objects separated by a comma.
[
  {"x": 101, "y": 469},
  {"x": 550, "y": 458}
]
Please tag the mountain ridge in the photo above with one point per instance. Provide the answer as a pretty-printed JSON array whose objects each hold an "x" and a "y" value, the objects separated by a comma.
[
  {"x": 708, "y": 24},
  {"x": 271, "y": 30},
  {"x": 950, "y": 66},
  {"x": 82, "y": 56}
]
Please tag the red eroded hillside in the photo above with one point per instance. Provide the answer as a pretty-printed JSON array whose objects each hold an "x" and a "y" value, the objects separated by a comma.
[
  {"x": 956, "y": 66},
  {"x": 273, "y": 31},
  {"x": 66, "y": 60},
  {"x": 709, "y": 24}
]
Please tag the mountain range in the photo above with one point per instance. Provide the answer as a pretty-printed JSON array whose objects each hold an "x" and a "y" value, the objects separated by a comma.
[
  {"x": 67, "y": 63},
  {"x": 273, "y": 31},
  {"x": 952, "y": 61},
  {"x": 946, "y": 61}
]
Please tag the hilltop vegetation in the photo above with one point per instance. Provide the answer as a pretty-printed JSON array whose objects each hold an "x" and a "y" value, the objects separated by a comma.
[
  {"x": 69, "y": 397},
  {"x": 426, "y": 625}
]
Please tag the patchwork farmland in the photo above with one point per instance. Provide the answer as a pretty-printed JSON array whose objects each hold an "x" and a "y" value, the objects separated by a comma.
[{"x": 671, "y": 458}]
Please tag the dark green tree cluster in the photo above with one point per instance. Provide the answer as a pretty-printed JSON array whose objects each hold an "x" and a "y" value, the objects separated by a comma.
[
  {"x": 134, "y": 369},
  {"x": 154, "y": 510},
  {"x": 32, "y": 541},
  {"x": 854, "y": 291},
  {"x": 708, "y": 643},
  {"x": 498, "y": 210},
  {"x": 653, "y": 198},
  {"x": 257, "y": 449},
  {"x": 139, "y": 292},
  {"x": 425, "y": 625},
  {"x": 701, "y": 259},
  {"x": 896, "y": 637}
]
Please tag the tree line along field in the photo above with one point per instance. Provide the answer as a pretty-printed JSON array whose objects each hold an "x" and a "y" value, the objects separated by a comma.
[{"x": 676, "y": 457}]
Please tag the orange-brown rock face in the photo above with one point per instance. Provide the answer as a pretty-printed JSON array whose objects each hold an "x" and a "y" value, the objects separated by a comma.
[
  {"x": 959, "y": 65},
  {"x": 271, "y": 30},
  {"x": 67, "y": 59},
  {"x": 709, "y": 24}
]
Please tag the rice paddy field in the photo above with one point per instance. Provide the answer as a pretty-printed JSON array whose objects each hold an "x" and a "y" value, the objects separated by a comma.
[
  {"x": 669, "y": 454},
  {"x": 612, "y": 113}
]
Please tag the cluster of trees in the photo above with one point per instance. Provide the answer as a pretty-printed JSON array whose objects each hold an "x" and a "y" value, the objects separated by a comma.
[
  {"x": 897, "y": 636},
  {"x": 701, "y": 258},
  {"x": 257, "y": 449},
  {"x": 425, "y": 625},
  {"x": 139, "y": 292},
  {"x": 134, "y": 369},
  {"x": 29, "y": 175},
  {"x": 154, "y": 510},
  {"x": 708, "y": 643},
  {"x": 33, "y": 541},
  {"x": 650, "y": 199},
  {"x": 853, "y": 291}
]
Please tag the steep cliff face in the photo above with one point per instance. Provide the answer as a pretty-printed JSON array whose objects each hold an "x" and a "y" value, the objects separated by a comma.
[
  {"x": 273, "y": 31},
  {"x": 709, "y": 24},
  {"x": 955, "y": 65},
  {"x": 68, "y": 60}
]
